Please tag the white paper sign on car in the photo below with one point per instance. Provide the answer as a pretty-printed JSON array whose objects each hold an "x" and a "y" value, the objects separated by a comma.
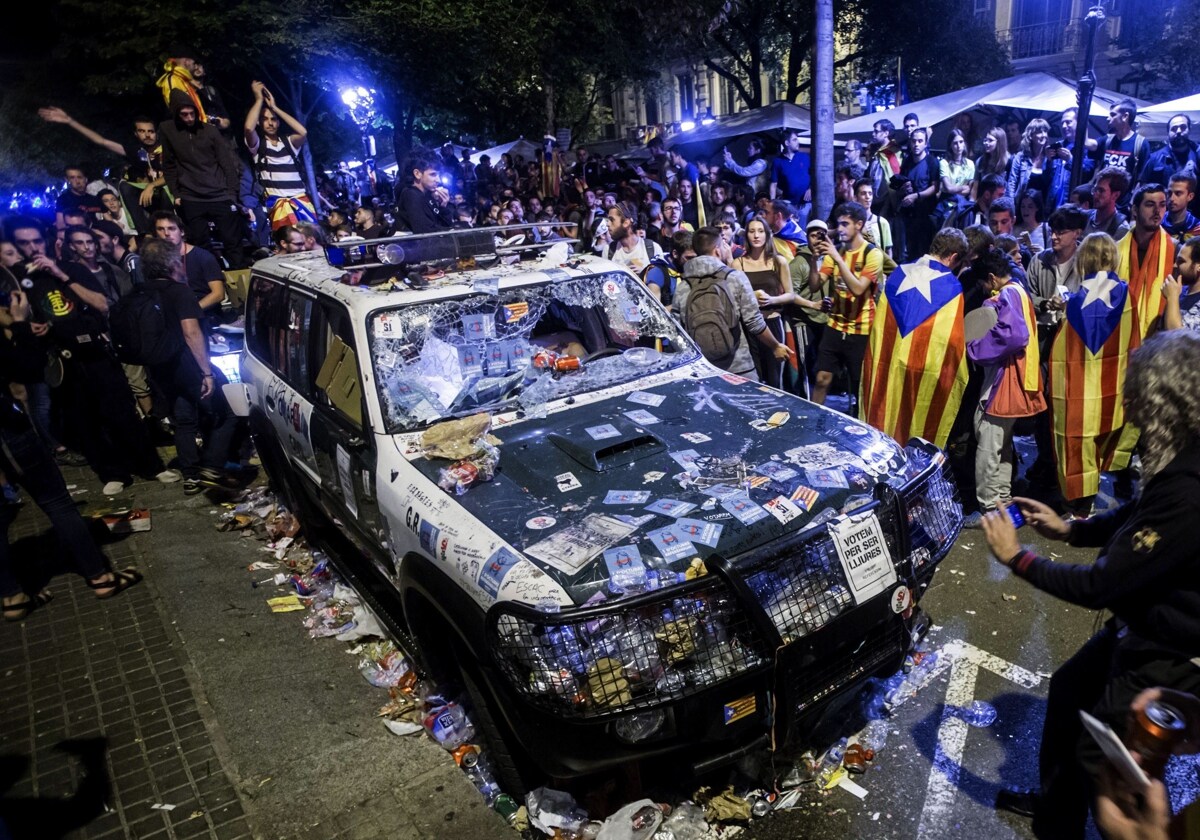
[{"x": 864, "y": 555}]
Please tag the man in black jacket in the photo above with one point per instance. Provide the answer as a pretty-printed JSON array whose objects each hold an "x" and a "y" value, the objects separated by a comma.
[
  {"x": 202, "y": 173},
  {"x": 423, "y": 202}
]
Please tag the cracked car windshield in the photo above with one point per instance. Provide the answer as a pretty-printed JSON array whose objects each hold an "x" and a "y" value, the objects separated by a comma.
[{"x": 519, "y": 349}]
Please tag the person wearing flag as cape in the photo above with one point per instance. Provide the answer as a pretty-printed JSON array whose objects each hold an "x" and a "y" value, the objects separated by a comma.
[
  {"x": 1088, "y": 360},
  {"x": 1012, "y": 381},
  {"x": 1147, "y": 255},
  {"x": 915, "y": 367}
]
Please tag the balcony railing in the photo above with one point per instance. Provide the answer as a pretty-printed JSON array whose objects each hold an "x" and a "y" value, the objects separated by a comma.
[{"x": 1040, "y": 39}]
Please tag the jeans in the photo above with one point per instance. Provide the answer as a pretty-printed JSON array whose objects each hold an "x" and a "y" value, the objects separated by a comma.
[
  {"x": 38, "y": 394},
  {"x": 229, "y": 223},
  {"x": 27, "y": 461},
  {"x": 180, "y": 381}
]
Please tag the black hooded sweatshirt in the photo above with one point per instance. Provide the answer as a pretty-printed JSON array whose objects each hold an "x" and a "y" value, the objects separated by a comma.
[{"x": 198, "y": 163}]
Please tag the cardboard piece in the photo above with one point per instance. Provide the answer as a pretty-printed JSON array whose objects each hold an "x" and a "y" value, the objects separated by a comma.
[{"x": 338, "y": 378}]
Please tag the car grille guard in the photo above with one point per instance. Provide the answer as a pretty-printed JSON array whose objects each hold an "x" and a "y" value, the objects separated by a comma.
[{"x": 776, "y": 606}]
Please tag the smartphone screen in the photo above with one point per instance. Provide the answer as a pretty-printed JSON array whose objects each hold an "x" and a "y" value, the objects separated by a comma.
[{"x": 1014, "y": 514}]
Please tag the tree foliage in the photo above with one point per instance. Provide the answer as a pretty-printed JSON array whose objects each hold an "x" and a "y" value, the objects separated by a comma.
[{"x": 1163, "y": 41}]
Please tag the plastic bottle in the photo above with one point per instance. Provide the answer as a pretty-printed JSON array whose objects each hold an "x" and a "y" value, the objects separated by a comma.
[
  {"x": 449, "y": 726},
  {"x": 873, "y": 736},
  {"x": 831, "y": 762},
  {"x": 686, "y": 822},
  {"x": 479, "y": 771}
]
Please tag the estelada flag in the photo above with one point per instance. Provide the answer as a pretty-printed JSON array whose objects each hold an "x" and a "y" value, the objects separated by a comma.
[
  {"x": 1145, "y": 276},
  {"x": 1088, "y": 361},
  {"x": 915, "y": 368}
]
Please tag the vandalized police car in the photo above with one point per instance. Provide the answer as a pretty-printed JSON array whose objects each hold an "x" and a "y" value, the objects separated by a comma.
[{"x": 624, "y": 552}]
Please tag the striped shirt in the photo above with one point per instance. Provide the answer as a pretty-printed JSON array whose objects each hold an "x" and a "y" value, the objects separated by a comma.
[
  {"x": 853, "y": 314},
  {"x": 279, "y": 170}
]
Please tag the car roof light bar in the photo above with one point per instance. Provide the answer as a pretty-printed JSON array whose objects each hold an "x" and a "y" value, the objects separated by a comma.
[{"x": 469, "y": 248}]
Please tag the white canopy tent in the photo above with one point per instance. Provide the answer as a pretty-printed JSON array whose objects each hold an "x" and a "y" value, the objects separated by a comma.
[
  {"x": 770, "y": 119},
  {"x": 1030, "y": 93},
  {"x": 517, "y": 148}
]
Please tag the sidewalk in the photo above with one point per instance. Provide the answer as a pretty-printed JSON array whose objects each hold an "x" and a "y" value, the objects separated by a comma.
[{"x": 203, "y": 700}]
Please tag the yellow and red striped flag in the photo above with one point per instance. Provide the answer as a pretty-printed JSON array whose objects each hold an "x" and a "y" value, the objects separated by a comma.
[
  {"x": 1145, "y": 277},
  {"x": 915, "y": 368},
  {"x": 1087, "y": 377}
]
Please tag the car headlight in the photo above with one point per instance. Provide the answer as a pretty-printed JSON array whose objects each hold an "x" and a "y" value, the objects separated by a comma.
[{"x": 632, "y": 655}]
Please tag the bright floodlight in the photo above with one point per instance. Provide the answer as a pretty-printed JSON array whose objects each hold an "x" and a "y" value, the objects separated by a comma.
[
  {"x": 687, "y": 125},
  {"x": 350, "y": 97}
]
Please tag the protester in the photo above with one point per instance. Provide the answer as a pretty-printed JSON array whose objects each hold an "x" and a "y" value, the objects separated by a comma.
[
  {"x": 957, "y": 174},
  {"x": 790, "y": 178},
  {"x": 917, "y": 186},
  {"x": 1143, "y": 575},
  {"x": 854, "y": 269},
  {"x": 201, "y": 269},
  {"x": 662, "y": 275},
  {"x": 771, "y": 281},
  {"x": 276, "y": 159},
  {"x": 203, "y": 174},
  {"x": 1031, "y": 227},
  {"x": 717, "y": 307},
  {"x": 423, "y": 202},
  {"x": 627, "y": 247},
  {"x": 191, "y": 383},
  {"x": 995, "y": 160},
  {"x": 1179, "y": 222},
  {"x": 1012, "y": 382},
  {"x": 1068, "y": 121},
  {"x": 1108, "y": 190},
  {"x": 1124, "y": 148},
  {"x": 987, "y": 190},
  {"x": 25, "y": 460},
  {"x": 915, "y": 366},
  {"x": 756, "y": 171},
  {"x": 1088, "y": 362},
  {"x": 807, "y": 314},
  {"x": 1147, "y": 255},
  {"x": 76, "y": 198},
  {"x": 877, "y": 230}
]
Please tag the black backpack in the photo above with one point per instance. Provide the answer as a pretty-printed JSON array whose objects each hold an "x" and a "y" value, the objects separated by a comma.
[
  {"x": 139, "y": 330},
  {"x": 712, "y": 318}
]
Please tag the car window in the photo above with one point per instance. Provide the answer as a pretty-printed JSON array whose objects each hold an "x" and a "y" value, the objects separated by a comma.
[
  {"x": 336, "y": 380},
  {"x": 277, "y": 329},
  {"x": 520, "y": 348}
]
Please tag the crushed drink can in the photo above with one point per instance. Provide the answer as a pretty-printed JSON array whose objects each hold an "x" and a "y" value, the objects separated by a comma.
[{"x": 1153, "y": 733}]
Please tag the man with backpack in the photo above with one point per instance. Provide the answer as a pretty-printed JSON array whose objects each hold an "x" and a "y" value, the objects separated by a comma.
[
  {"x": 854, "y": 268},
  {"x": 718, "y": 309},
  {"x": 276, "y": 159},
  {"x": 1124, "y": 148},
  {"x": 159, "y": 325}
]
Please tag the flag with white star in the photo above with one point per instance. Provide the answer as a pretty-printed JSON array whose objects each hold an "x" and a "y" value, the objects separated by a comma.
[
  {"x": 915, "y": 368},
  {"x": 1088, "y": 361}
]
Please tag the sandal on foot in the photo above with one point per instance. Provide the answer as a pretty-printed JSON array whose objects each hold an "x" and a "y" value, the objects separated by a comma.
[
  {"x": 121, "y": 581},
  {"x": 21, "y": 610}
]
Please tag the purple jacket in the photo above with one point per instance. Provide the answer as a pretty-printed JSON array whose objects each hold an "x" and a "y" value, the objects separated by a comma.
[{"x": 1004, "y": 344}]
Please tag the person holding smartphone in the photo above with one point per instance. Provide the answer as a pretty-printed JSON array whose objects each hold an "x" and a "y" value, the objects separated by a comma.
[{"x": 1144, "y": 574}]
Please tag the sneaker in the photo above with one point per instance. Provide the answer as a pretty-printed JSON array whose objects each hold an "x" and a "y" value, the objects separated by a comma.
[
  {"x": 169, "y": 476},
  {"x": 209, "y": 477},
  {"x": 112, "y": 488},
  {"x": 191, "y": 487},
  {"x": 1017, "y": 801},
  {"x": 973, "y": 521}
]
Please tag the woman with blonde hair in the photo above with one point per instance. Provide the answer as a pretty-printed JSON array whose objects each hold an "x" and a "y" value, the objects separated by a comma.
[
  {"x": 1037, "y": 167},
  {"x": 771, "y": 279},
  {"x": 1088, "y": 360}
]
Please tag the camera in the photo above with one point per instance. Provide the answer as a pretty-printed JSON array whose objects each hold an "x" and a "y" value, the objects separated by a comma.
[
  {"x": 900, "y": 183},
  {"x": 1056, "y": 146}
]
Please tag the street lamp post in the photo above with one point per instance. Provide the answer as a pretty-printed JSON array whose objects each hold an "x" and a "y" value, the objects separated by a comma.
[
  {"x": 1087, "y": 86},
  {"x": 361, "y": 102}
]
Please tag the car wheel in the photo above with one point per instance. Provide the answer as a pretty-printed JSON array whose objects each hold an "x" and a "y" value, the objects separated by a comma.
[
  {"x": 514, "y": 769},
  {"x": 282, "y": 481}
]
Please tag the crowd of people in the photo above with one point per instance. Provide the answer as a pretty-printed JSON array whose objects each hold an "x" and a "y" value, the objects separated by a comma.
[{"x": 963, "y": 297}]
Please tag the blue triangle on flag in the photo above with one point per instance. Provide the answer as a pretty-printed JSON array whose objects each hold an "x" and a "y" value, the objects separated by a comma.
[
  {"x": 910, "y": 307},
  {"x": 1096, "y": 322}
]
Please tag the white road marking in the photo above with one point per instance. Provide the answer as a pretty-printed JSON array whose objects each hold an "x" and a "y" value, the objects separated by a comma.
[{"x": 952, "y": 731}]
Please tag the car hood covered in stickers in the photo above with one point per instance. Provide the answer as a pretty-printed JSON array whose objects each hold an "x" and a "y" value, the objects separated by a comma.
[{"x": 624, "y": 493}]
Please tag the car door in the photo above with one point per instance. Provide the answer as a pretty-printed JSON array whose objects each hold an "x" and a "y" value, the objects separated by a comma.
[
  {"x": 342, "y": 439},
  {"x": 277, "y": 339}
]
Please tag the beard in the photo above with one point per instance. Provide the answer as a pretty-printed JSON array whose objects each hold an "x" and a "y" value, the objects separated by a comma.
[{"x": 1179, "y": 144}]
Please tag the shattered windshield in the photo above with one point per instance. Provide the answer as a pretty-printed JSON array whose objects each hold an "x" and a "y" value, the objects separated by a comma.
[{"x": 520, "y": 348}]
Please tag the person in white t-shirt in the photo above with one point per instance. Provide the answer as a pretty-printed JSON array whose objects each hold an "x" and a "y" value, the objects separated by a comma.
[{"x": 628, "y": 247}]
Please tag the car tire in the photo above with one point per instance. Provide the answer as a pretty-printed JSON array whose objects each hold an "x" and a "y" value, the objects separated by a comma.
[
  {"x": 514, "y": 770},
  {"x": 281, "y": 478}
]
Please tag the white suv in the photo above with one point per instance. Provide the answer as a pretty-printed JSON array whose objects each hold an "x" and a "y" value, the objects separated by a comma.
[{"x": 668, "y": 561}]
